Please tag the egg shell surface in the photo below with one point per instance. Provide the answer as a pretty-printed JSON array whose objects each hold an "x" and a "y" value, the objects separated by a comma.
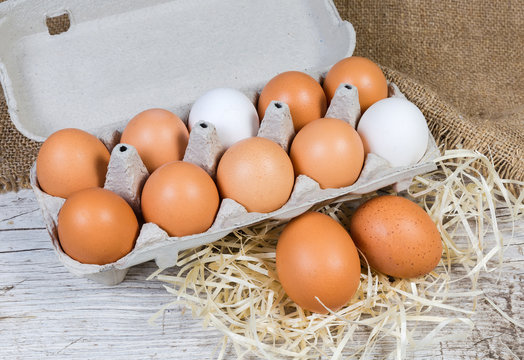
[
  {"x": 363, "y": 73},
  {"x": 96, "y": 226},
  {"x": 316, "y": 257},
  {"x": 233, "y": 114},
  {"x": 329, "y": 151},
  {"x": 158, "y": 135},
  {"x": 396, "y": 236},
  {"x": 181, "y": 198},
  {"x": 71, "y": 160},
  {"x": 257, "y": 173},
  {"x": 396, "y": 130},
  {"x": 303, "y": 94}
]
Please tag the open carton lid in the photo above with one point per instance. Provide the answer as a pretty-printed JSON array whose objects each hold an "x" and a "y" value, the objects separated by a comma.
[{"x": 121, "y": 57}]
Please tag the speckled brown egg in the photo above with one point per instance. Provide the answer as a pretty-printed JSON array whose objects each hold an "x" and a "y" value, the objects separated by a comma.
[
  {"x": 71, "y": 160},
  {"x": 396, "y": 236},
  {"x": 257, "y": 173},
  {"x": 303, "y": 94}
]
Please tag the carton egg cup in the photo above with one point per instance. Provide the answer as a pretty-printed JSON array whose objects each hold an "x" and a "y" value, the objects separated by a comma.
[{"x": 127, "y": 174}]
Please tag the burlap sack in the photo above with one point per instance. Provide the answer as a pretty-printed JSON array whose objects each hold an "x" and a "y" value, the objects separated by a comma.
[
  {"x": 464, "y": 64},
  {"x": 469, "y": 52}
]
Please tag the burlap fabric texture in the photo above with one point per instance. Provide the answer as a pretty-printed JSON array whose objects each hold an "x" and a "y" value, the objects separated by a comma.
[
  {"x": 469, "y": 52},
  {"x": 461, "y": 62}
]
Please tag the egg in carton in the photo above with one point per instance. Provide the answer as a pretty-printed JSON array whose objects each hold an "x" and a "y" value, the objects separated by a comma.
[{"x": 127, "y": 174}]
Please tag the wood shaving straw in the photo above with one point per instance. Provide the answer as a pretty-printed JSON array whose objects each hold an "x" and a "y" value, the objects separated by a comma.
[{"x": 232, "y": 284}]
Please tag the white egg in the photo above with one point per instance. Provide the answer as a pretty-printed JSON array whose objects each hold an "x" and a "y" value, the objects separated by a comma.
[
  {"x": 233, "y": 114},
  {"x": 396, "y": 130}
]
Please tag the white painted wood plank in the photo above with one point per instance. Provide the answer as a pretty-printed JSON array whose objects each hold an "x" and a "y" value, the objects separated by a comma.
[
  {"x": 47, "y": 312},
  {"x": 19, "y": 210}
]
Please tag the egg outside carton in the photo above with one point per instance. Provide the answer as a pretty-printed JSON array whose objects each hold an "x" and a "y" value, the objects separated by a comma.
[{"x": 127, "y": 174}]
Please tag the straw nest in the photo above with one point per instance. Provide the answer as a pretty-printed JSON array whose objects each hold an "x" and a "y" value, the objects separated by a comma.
[{"x": 231, "y": 284}]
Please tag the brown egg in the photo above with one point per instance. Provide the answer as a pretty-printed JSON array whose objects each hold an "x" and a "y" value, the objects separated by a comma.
[
  {"x": 96, "y": 226},
  {"x": 158, "y": 135},
  {"x": 315, "y": 256},
  {"x": 181, "y": 198},
  {"x": 360, "y": 72},
  {"x": 257, "y": 173},
  {"x": 302, "y": 93},
  {"x": 397, "y": 236},
  {"x": 71, "y": 160},
  {"x": 329, "y": 151}
]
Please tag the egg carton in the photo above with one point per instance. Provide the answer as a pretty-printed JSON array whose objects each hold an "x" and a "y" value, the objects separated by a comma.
[
  {"x": 127, "y": 174},
  {"x": 121, "y": 57}
]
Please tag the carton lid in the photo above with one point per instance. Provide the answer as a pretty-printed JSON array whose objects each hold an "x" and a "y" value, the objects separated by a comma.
[{"x": 121, "y": 57}]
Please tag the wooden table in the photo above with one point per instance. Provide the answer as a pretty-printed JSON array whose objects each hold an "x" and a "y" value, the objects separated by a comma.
[{"x": 46, "y": 312}]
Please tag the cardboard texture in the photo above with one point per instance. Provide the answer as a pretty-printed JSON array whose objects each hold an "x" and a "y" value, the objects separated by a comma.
[{"x": 109, "y": 72}]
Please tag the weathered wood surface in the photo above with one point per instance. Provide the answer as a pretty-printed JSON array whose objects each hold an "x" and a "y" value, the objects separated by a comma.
[{"x": 45, "y": 312}]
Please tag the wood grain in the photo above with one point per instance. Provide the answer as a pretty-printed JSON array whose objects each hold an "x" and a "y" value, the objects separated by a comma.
[{"x": 45, "y": 312}]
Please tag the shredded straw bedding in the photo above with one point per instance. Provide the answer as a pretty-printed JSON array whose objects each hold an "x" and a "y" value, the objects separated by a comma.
[{"x": 231, "y": 284}]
